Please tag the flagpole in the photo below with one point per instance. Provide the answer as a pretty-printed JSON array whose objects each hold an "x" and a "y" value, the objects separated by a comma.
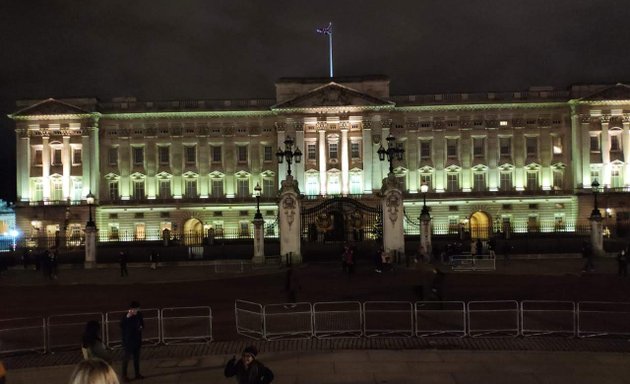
[{"x": 331, "y": 53}]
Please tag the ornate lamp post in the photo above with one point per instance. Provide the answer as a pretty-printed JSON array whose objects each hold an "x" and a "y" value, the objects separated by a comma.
[
  {"x": 90, "y": 202},
  {"x": 257, "y": 190},
  {"x": 289, "y": 154},
  {"x": 392, "y": 152},
  {"x": 425, "y": 226},
  {"x": 90, "y": 235},
  {"x": 597, "y": 234}
]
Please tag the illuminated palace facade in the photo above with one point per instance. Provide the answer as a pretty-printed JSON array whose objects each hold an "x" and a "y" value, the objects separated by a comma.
[{"x": 524, "y": 159}]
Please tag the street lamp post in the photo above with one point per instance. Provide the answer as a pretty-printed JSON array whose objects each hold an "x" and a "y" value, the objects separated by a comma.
[
  {"x": 90, "y": 235},
  {"x": 597, "y": 234},
  {"x": 425, "y": 226},
  {"x": 289, "y": 154},
  {"x": 392, "y": 152},
  {"x": 90, "y": 202},
  {"x": 257, "y": 190}
]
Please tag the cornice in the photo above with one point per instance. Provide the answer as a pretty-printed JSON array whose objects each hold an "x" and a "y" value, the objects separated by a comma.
[
  {"x": 598, "y": 102},
  {"x": 334, "y": 109},
  {"x": 183, "y": 115},
  {"x": 94, "y": 115},
  {"x": 469, "y": 107}
]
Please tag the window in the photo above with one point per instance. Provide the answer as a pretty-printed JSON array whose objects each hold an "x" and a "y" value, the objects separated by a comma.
[
  {"x": 56, "y": 156},
  {"x": 556, "y": 145},
  {"x": 402, "y": 182},
  {"x": 558, "y": 180},
  {"x": 451, "y": 148},
  {"x": 428, "y": 180},
  {"x": 243, "y": 228},
  {"x": 217, "y": 188},
  {"x": 191, "y": 154},
  {"x": 355, "y": 150},
  {"x": 595, "y": 143},
  {"x": 76, "y": 156},
  {"x": 531, "y": 144},
  {"x": 267, "y": 153},
  {"x": 191, "y": 188},
  {"x": 506, "y": 181},
  {"x": 532, "y": 180},
  {"x": 37, "y": 157},
  {"x": 311, "y": 150},
  {"x": 77, "y": 189},
  {"x": 113, "y": 231},
  {"x": 478, "y": 147},
  {"x": 113, "y": 189},
  {"x": 532, "y": 223},
  {"x": 138, "y": 189},
  {"x": 614, "y": 143},
  {"x": 138, "y": 155},
  {"x": 216, "y": 154},
  {"x": 112, "y": 156},
  {"x": 425, "y": 149},
  {"x": 242, "y": 154},
  {"x": 164, "y": 155},
  {"x": 355, "y": 184},
  {"x": 479, "y": 182},
  {"x": 139, "y": 231},
  {"x": 242, "y": 188},
  {"x": 452, "y": 182},
  {"x": 268, "y": 189},
  {"x": 56, "y": 194},
  {"x": 38, "y": 194},
  {"x": 505, "y": 146},
  {"x": 165, "y": 189},
  {"x": 333, "y": 150},
  {"x": 615, "y": 178},
  {"x": 595, "y": 175},
  {"x": 312, "y": 186}
]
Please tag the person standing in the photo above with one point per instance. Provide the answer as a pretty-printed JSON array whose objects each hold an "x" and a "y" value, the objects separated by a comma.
[
  {"x": 131, "y": 326},
  {"x": 587, "y": 253},
  {"x": 492, "y": 247},
  {"x": 154, "y": 259},
  {"x": 123, "y": 264},
  {"x": 92, "y": 346},
  {"x": 247, "y": 369},
  {"x": 622, "y": 261}
]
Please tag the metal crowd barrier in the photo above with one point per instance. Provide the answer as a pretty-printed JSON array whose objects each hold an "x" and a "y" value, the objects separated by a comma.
[
  {"x": 388, "y": 318},
  {"x": 288, "y": 321},
  {"x": 603, "y": 319},
  {"x": 473, "y": 263},
  {"x": 249, "y": 319},
  {"x": 64, "y": 331},
  {"x": 185, "y": 324},
  {"x": 445, "y": 318},
  {"x": 150, "y": 333},
  {"x": 547, "y": 317},
  {"x": 23, "y": 334},
  {"x": 493, "y": 318},
  {"x": 337, "y": 319}
]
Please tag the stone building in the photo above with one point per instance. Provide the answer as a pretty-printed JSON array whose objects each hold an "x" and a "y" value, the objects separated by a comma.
[{"x": 509, "y": 161}]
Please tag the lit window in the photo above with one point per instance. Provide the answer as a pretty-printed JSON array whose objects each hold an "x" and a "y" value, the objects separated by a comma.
[
  {"x": 216, "y": 154},
  {"x": 163, "y": 155},
  {"x": 138, "y": 189},
  {"x": 268, "y": 188},
  {"x": 242, "y": 154},
  {"x": 242, "y": 187},
  {"x": 532, "y": 180},
  {"x": 427, "y": 179},
  {"x": 76, "y": 156},
  {"x": 311, "y": 150},
  {"x": 113, "y": 189},
  {"x": 479, "y": 182},
  {"x": 191, "y": 154},
  {"x": 165, "y": 188},
  {"x": 191, "y": 188},
  {"x": 614, "y": 143},
  {"x": 333, "y": 151},
  {"x": 355, "y": 150},
  {"x": 217, "y": 188},
  {"x": 138, "y": 155},
  {"x": 506, "y": 181},
  {"x": 452, "y": 182},
  {"x": 556, "y": 142},
  {"x": 503, "y": 123}
]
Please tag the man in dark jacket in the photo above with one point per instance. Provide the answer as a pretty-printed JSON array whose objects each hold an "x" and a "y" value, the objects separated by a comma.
[
  {"x": 131, "y": 326},
  {"x": 247, "y": 369}
]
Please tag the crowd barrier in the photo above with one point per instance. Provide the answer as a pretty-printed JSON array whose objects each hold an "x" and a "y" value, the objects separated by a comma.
[
  {"x": 499, "y": 318},
  {"x": 64, "y": 332},
  {"x": 469, "y": 262}
]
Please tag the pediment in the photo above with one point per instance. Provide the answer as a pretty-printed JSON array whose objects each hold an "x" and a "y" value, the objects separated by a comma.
[
  {"x": 616, "y": 92},
  {"x": 333, "y": 95},
  {"x": 50, "y": 107}
]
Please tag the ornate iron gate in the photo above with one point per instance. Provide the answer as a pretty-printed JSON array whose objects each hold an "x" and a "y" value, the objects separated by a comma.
[{"x": 341, "y": 219}]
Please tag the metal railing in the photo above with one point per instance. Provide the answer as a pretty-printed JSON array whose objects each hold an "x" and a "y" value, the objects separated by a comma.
[
  {"x": 23, "y": 334},
  {"x": 249, "y": 319},
  {"x": 441, "y": 318},
  {"x": 186, "y": 324},
  {"x": 473, "y": 263},
  {"x": 547, "y": 317}
]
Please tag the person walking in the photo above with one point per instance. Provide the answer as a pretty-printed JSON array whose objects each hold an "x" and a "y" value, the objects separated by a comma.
[
  {"x": 92, "y": 346},
  {"x": 247, "y": 369},
  {"x": 123, "y": 259},
  {"x": 153, "y": 257},
  {"x": 492, "y": 247},
  {"x": 378, "y": 260},
  {"x": 587, "y": 254},
  {"x": 478, "y": 248},
  {"x": 622, "y": 262},
  {"x": 131, "y": 326}
]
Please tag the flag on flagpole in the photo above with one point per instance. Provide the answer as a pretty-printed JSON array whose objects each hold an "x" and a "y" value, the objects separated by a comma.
[{"x": 326, "y": 30}]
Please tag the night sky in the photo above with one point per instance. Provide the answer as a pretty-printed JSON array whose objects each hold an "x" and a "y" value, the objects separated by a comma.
[{"x": 175, "y": 49}]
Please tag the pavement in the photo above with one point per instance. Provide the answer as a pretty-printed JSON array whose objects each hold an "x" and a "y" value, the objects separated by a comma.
[{"x": 365, "y": 360}]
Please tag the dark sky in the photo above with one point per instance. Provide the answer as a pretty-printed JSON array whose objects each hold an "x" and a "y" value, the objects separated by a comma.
[{"x": 172, "y": 49}]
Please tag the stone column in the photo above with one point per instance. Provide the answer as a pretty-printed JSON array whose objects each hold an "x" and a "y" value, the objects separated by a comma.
[
  {"x": 605, "y": 177},
  {"x": 259, "y": 239},
  {"x": 392, "y": 203},
  {"x": 90, "y": 246},
  {"x": 66, "y": 161},
  {"x": 345, "y": 160},
  {"x": 323, "y": 188},
  {"x": 290, "y": 222},
  {"x": 426, "y": 248},
  {"x": 46, "y": 168}
]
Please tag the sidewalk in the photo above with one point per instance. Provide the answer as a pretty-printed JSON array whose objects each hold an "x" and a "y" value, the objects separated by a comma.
[{"x": 379, "y": 366}]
